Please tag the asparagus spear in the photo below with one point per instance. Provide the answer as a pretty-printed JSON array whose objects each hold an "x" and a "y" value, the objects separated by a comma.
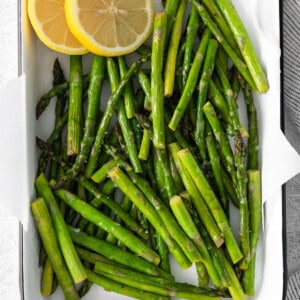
[
  {"x": 69, "y": 253},
  {"x": 86, "y": 285},
  {"x": 102, "y": 221},
  {"x": 108, "y": 188},
  {"x": 209, "y": 22},
  {"x": 216, "y": 14},
  {"x": 92, "y": 257},
  {"x": 101, "y": 174},
  {"x": 85, "y": 288},
  {"x": 216, "y": 166},
  {"x": 120, "y": 288},
  {"x": 219, "y": 102},
  {"x": 221, "y": 138},
  {"x": 110, "y": 107},
  {"x": 235, "y": 82},
  {"x": 215, "y": 254},
  {"x": 93, "y": 108},
  {"x": 178, "y": 185},
  {"x": 75, "y": 105},
  {"x": 163, "y": 251},
  {"x": 149, "y": 173},
  {"x": 217, "y": 82},
  {"x": 121, "y": 213},
  {"x": 191, "y": 34},
  {"x": 202, "y": 275},
  {"x": 48, "y": 279},
  {"x": 225, "y": 268},
  {"x": 58, "y": 78},
  {"x": 57, "y": 90},
  {"x": 137, "y": 131},
  {"x": 235, "y": 288},
  {"x": 196, "y": 198},
  {"x": 253, "y": 140},
  {"x": 44, "y": 225},
  {"x": 169, "y": 70},
  {"x": 170, "y": 9},
  {"x": 241, "y": 178},
  {"x": 157, "y": 241},
  {"x": 128, "y": 93},
  {"x": 208, "y": 68},
  {"x": 223, "y": 58},
  {"x": 116, "y": 270},
  {"x": 119, "y": 136},
  {"x": 125, "y": 126},
  {"x": 191, "y": 81},
  {"x": 126, "y": 204},
  {"x": 161, "y": 168},
  {"x": 244, "y": 42},
  {"x": 181, "y": 140},
  {"x": 116, "y": 254},
  {"x": 164, "y": 167},
  {"x": 255, "y": 206},
  {"x": 212, "y": 202},
  {"x": 144, "y": 81},
  {"x": 178, "y": 68},
  {"x": 157, "y": 98},
  {"x": 100, "y": 233},
  {"x": 232, "y": 106},
  {"x": 186, "y": 222},
  {"x": 254, "y": 188},
  {"x": 53, "y": 138},
  {"x": 156, "y": 288},
  {"x": 229, "y": 187},
  {"x": 145, "y": 146},
  {"x": 165, "y": 188}
]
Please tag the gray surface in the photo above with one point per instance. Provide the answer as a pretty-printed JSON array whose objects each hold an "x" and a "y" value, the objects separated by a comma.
[
  {"x": 291, "y": 44},
  {"x": 293, "y": 206}
]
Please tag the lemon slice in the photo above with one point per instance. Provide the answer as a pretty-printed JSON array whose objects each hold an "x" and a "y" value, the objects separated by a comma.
[
  {"x": 110, "y": 27},
  {"x": 48, "y": 21}
]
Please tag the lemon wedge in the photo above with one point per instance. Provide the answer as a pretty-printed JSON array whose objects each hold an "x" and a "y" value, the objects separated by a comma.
[
  {"x": 48, "y": 21},
  {"x": 110, "y": 27}
]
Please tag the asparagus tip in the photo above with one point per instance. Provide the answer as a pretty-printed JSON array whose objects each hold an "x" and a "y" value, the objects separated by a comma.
[{"x": 39, "y": 108}]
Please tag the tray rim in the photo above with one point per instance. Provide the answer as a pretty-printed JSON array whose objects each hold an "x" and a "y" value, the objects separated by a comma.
[{"x": 282, "y": 123}]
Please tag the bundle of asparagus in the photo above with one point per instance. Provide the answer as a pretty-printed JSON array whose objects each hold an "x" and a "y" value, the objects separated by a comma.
[{"x": 177, "y": 153}]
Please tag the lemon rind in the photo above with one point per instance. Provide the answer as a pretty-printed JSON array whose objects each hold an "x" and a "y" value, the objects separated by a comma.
[{"x": 36, "y": 24}]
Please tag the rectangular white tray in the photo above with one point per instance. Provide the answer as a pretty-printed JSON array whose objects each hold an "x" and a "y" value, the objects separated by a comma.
[{"x": 262, "y": 20}]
